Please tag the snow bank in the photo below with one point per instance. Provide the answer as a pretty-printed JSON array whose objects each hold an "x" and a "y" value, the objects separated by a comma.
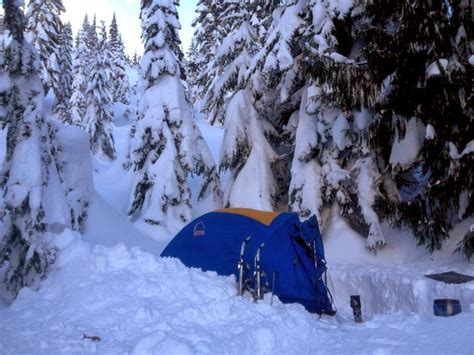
[
  {"x": 137, "y": 303},
  {"x": 107, "y": 226},
  {"x": 118, "y": 300},
  {"x": 393, "y": 282}
]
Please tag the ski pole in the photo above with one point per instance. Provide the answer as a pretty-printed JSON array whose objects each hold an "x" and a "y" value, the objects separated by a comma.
[
  {"x": 258, "y": 275},
  {"x": 273, "y": 287},
  {"x": 241, "y": 266}
]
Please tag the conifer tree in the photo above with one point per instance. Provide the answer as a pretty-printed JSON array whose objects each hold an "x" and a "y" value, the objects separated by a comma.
[
  {"x": 233, "y": 57},
  {"x": 35, "y": 201},
  {"x": 193, "y": 68},
  {"x": 136, "y": 60},
  {"x": 166, "y": 145},
  {"x": 394, "y": 78},
  {"x": 330, "y": 172},
  {"x": 99, "y": 114},
  {"x": 425, "y": 111},
  {"x": 208, "y": 35},
  {"x": 92, "y": 38},
  {"x": 66, "y": 78},
  {"x": 121, "y": 83},
  {"x": 78, "y": 101},
  {"x": 246, "y": 151},
  {"x": 44, "y": 29}
]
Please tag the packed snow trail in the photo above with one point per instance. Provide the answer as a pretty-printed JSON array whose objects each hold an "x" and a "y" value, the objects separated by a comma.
[{"x": 119, "y": 300}]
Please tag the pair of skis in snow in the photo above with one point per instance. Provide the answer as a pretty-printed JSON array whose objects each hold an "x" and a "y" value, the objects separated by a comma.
[{"x": 259, "y": 276}]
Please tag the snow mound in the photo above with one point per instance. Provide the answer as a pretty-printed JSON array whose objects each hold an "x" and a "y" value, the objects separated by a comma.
[
  {"x": 393, "y": 281},
  {"x": 119, "y": 300},
  {"x": 108, "y": 227},
  {"x": 135, "y": 302}
]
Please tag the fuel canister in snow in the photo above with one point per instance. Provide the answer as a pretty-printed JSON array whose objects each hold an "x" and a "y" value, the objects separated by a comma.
[{"x": 446, "y": 307}]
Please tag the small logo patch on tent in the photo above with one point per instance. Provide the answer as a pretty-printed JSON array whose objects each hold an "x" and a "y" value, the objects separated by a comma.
[{"x": 199, "y": 230}]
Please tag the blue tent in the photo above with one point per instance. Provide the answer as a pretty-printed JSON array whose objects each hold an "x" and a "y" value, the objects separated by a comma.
[{"x": 293, "y": 251}]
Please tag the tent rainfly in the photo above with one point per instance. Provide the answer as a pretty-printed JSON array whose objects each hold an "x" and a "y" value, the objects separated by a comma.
[{"x": 293, "y": 252}]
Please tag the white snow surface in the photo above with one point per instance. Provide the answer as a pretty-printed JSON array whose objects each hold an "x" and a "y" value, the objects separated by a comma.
[
  {"x": 110, "y": 292},
  {"x": 405, "y": 149},
  {"x": 434, "y": 68},
  {"x": 139, "y": 304}
]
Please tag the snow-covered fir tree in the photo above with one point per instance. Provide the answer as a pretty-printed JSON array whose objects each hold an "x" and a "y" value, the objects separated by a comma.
[
  {"x": 92, "y": 38},
  {"x": 120, "y": 80},
  {"x": 246, "y": 151},
  {"x": 44, "y": 31},
  {"x": 66, "y": 78},
  {"x": 99, "y": 113},
  {"x": 208, "y": 35},
  {"x": 192, "y": 70},
  {"x": 329, "y": 172},
  {"x": 166, "y": 145},
  {"x": 135, "y": 60},
  {"x": 37, "y": 191},
  {"x": 78, "y": 102},
  {"x": 248, "y": 155},
  {"x": 375, "y": 83},
  {"x": 425, "y": 111},
  {"x": 233, "y": 56}
]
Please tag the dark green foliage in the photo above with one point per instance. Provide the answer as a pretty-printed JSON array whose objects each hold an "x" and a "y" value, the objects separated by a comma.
[
  {"x": 28, "y": 259},
  {"x": 139, "y": 193},
  {"x": 429, "y": 34},
  {"x": 466, "y": 246},
  {"x": 410, "y": 59},
  {"x": 64, "y": 93}
]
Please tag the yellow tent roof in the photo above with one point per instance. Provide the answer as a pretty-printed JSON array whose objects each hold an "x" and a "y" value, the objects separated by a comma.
[{"x": 261, "y": 216}]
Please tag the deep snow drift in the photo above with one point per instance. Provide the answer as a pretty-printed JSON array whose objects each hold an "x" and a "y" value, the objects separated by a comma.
[{"x": 116, "y": 300}]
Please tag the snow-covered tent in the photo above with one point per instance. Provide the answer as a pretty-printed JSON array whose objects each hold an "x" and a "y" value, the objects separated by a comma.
[{"x": 293, "y": 252}]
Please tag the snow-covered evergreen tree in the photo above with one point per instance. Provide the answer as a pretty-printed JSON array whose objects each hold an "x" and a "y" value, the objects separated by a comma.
[
  {"x": 78, "y": 102},
  {"x": 120, "y": 80},
  {"x": 332, "y": 168},
  {"x": 92, "y": 38},
  {"x": 233, "y": 56},
  {"x": 99, "y": 114},
  {"x": 419, "y": 55},
  {"x": 166, "y": 145},
  {"x": 44, "y": 30},
  {"x": 248, "y": 155},
  {"x": 135, "y": 60},
  {"x": 35, "y": 207},
  {"x": 192, "y": 68},
  {"x": 208, "y": 35},
  {"x": 63, "y": 96}
]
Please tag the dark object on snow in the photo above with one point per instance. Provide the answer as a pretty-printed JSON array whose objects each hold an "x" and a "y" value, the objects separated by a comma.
[
  {"x": 451, "y": 277},
  {"x": 93, "y": 338},
  {"x": 293, "y": 251},
  {"x": 446, "y": 307},
  {"x": 356, "y": 308}
]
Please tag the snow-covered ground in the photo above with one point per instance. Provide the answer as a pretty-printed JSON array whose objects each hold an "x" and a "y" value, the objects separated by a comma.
[
  {"x": 111, "y": 293},
  {"x": 120, "y": 300}
]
